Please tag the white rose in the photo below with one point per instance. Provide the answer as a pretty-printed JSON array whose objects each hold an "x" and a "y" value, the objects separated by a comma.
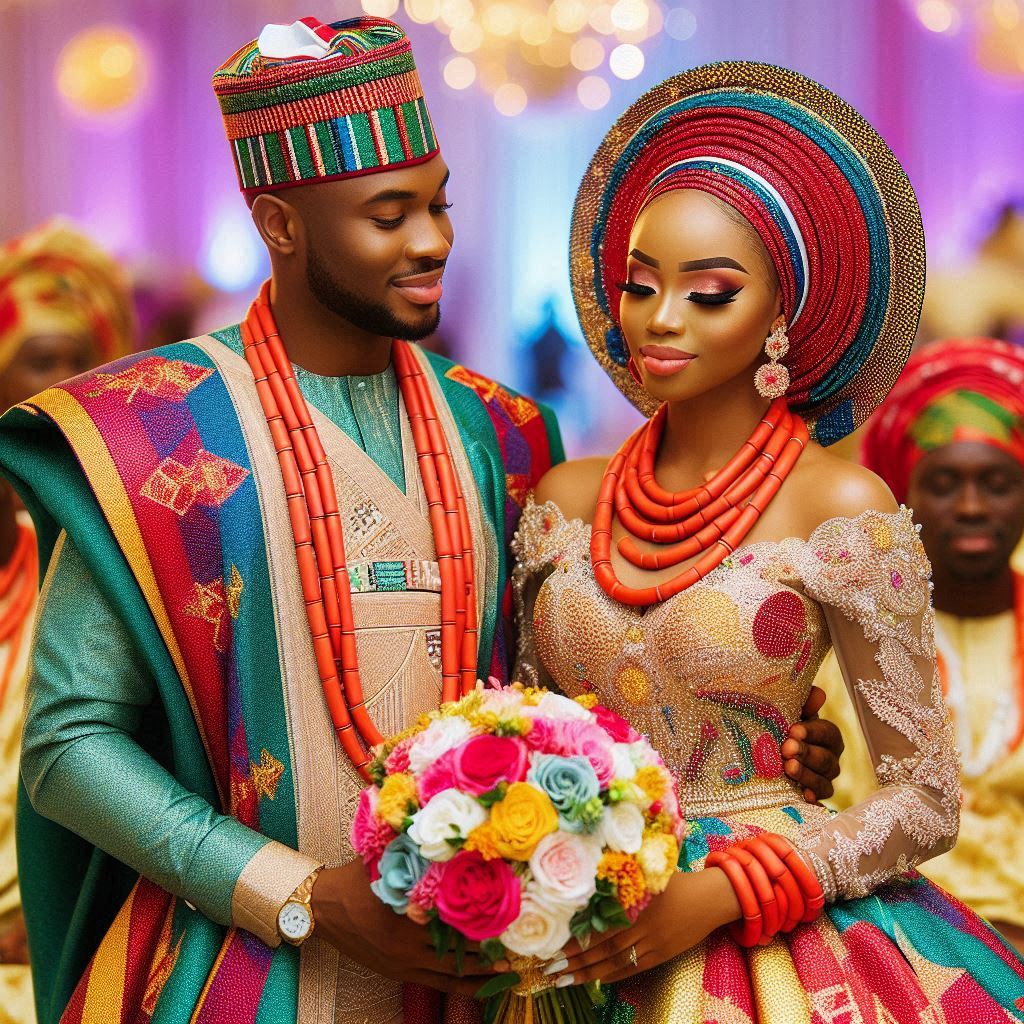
[
  {"x": 448, "y": 815},
  {"x": 438, "y": 738},
  {"x": 643, "y": 754},
  {"x": 622, "y": 759},
  {"x": 564, "y": 866},
  {"x": 622, "y": 827},
  {"x": 554, "y": 705},
  {"x": 541, "y": 929}
]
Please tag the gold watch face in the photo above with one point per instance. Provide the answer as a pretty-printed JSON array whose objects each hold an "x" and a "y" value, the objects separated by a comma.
[{"x": 294, "y": 921}]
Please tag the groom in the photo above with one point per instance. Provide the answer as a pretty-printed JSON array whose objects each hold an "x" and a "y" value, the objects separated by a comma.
[{"x": 179, "y": 761}]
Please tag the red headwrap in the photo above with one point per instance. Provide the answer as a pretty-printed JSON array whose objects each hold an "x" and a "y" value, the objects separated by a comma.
[{"x": 966, "y": 389}]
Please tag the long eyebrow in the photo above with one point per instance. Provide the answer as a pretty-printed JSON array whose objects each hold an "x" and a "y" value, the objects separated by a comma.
[
  {"x": 644, "y": 258},
  {"x": 395, "y": 194},
  {"x": 713, "y": 263}
]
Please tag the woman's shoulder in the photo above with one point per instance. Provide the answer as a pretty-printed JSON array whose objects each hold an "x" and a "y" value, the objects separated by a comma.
[
  {"x": 573, "y": 486},
  {"x": 829, "y": 487}
]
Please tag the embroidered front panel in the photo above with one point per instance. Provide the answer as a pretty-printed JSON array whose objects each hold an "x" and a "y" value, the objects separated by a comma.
[{"x": 716, "y": 676}]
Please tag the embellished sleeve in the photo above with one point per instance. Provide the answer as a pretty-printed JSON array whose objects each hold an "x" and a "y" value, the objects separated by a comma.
[
  {"x": 871, "y": 576},
  {"x": 541, "y": 541}
]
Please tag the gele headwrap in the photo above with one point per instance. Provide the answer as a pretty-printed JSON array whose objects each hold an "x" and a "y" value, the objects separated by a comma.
[
  {"x": 311, "y": 102},
  {"x": 54, "y": 280},
  {"x": 964, "y": 389},
  {"x": 825, "y": 194}
]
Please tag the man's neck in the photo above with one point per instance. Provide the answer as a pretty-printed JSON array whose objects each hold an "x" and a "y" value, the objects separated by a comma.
[
  {"x": 974, "y": 599},
  {"x": 323, "y": 342}
]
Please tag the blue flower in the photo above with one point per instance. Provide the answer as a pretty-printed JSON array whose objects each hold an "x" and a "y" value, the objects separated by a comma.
[
  {"x": 570, "y": 782},
  {"x": 401, "y": 867}
]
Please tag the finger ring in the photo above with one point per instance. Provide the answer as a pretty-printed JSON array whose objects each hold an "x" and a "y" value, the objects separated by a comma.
[{"x": 632, "y": 955}]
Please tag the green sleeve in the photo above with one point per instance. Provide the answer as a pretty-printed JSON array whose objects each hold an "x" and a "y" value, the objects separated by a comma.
[{"x": 83, "y": 766}]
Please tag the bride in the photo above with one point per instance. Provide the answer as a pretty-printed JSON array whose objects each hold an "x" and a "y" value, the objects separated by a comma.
[{"x": 748, "y": 265}]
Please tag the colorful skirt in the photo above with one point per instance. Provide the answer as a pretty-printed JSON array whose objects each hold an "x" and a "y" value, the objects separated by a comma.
[{"x": 907, "y": 954}]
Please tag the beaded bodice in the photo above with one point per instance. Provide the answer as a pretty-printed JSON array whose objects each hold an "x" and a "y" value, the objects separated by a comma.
[{"x": 717, "y": 674}]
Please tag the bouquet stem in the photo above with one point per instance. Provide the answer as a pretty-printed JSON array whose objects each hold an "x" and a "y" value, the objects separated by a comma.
[{"x": 574, "y": 1005}]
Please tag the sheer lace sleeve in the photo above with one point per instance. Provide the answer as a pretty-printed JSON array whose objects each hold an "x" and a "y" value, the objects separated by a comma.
[
  {"x": 871, "y": 576},
  {"x": 542, "y": 540}
]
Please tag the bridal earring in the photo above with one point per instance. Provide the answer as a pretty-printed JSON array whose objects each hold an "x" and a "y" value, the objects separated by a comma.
[
  {"x": 772, "y": 378},
  {"x": 634, "y": 372}
]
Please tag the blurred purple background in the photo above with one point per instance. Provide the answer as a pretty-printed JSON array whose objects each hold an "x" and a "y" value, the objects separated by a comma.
[{"x": 155, "y": 183}]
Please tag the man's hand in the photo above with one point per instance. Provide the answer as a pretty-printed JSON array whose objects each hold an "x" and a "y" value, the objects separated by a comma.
[
  {"x": 812, "y": 751},
  {"x": 352, "y": 919}
]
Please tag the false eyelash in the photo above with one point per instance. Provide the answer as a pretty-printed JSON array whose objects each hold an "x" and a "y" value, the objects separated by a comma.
[
  {"x": 634, "y": 289},
  {"x": 441, "y": 207},
  {"x": 714, "y": 298}
]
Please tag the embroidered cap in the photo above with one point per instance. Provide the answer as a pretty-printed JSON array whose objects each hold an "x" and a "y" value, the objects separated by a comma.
[{"x": 311, "y": 102}]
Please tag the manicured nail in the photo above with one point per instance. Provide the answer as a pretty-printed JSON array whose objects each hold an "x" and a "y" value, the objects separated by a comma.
[
  {"x": 557, "y": 967},
  {"x": 564, "y": 981},
  {"x": 501, "y": 966}
]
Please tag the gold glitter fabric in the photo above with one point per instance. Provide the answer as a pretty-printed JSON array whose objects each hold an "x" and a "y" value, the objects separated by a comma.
[
  {"x": 825, "y": 194},
  {"x": 715, "y": 676}
]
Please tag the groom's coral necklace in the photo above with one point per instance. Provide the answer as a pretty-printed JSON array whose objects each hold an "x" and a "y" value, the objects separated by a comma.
[
  {"x": 320, "y": 544},
  {"x": 711, "y": 520}
]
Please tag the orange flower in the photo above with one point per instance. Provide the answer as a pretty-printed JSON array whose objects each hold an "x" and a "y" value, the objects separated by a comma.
[{"x": 623, "y": 871}]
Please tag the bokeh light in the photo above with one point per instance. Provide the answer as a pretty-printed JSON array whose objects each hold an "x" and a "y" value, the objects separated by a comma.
[
  {"x": 102, "y": 70},
  {"x": 626, "y": 61},
  {"x": 510, "y": 99},
  {"x": 593, "y": 92},
  {"x": 381, "y": 8},
  {"x": 681, "y": 24},
  {"x": 938, "y": 15},
  {"x": 459, "y": 73}
]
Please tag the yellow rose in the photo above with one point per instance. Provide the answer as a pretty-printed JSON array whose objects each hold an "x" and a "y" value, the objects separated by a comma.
[
  {"x": 658, "y": 859},
  {"x": 654, "y": 781},
  {"x": 397, "y": 799},
  {"x": 521, "y": 820}
]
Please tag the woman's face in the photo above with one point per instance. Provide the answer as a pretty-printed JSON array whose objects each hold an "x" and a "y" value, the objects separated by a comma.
[{"x": 699, "y": 298}]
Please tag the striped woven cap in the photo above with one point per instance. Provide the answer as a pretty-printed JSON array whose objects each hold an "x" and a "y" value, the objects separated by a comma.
[{"x": 312, "y": 102}]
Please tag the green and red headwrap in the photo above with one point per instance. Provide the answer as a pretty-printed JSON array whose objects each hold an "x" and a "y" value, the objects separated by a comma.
[
  {"x": 965, "y": 389},
  {"x": 311, "y": 102}
]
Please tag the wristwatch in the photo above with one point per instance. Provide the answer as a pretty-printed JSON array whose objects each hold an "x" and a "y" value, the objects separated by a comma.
[{"x": 295, "y": 918}]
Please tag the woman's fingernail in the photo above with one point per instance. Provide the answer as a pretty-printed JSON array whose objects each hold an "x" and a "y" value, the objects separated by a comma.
[
  {"x": 557, "y": 967},
  {"x": 564, "y": 981},
  {"x": 501, "y": 965}
]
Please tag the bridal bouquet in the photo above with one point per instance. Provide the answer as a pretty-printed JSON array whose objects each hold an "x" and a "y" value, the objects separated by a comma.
[{"x": 518, "y": 819}]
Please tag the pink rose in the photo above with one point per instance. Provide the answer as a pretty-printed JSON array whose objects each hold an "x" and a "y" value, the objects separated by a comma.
[
  {"x": 569, "y": 737},
  {"x": 439, "y": 776},
  {"x": 615, "y": 725},
  {"x": 480, "y": 898},
  {"x": 564, "y": 868},
  {"x": 370, "y": 835},
  {"x": 398, "y": 760},
  {"x": 484, "y": 761}
]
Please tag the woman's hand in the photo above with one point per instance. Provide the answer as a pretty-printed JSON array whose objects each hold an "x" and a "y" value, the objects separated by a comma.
[{"x": 686, "y": 913}]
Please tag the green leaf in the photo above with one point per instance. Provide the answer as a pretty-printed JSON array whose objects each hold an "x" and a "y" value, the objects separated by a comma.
[
  {"x": 493, "y": 796},
  {"x": 460, "y": 952},
  {"x": 441, "y": 936},
  {"x": 498, "y": 984},
  {"x": 455, "y": 841},
  {"x": 491, "y": 950}
]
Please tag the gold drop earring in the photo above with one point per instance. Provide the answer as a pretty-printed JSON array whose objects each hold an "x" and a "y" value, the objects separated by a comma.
[{"x": 772, "y": 378}]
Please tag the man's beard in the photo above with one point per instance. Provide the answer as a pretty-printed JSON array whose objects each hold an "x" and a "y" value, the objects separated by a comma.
[{"x": 367, "y": 316}]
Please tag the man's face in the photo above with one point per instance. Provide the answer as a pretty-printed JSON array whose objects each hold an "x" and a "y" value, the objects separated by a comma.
[
  {"x": 43, "y": 360},
  {"x": 376, "y": 247},
  {"x": 969, "y": 499}
]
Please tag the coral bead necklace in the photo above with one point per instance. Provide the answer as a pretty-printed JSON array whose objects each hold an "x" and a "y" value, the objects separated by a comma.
[
  {"x": 711, "y": 520},
  {"x": 319, "y": 541}
]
